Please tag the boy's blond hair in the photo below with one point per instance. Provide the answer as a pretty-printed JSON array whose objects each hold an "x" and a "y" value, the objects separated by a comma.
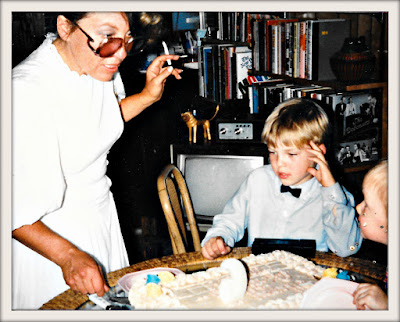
[
  {"x": 376, "y": 180},
  {"x": 296, "y": 122}
]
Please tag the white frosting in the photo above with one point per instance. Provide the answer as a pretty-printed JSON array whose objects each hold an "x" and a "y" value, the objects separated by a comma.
[{"x": 277, "y": 280}]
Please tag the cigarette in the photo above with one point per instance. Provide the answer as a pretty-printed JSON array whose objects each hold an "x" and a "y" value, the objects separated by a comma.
[
  {"x": 183, "y": 56},
  {"x": 166, "y": 51}
]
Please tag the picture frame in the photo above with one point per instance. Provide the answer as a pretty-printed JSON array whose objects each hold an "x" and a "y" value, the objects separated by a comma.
[{"x": 357, "y": 126}]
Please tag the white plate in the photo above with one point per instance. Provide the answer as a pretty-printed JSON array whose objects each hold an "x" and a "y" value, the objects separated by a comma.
[
  {"x": 330, "y": 293},
  {"x": 127, "y": 280}
]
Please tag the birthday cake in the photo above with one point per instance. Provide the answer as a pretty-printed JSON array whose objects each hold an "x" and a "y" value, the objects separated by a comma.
[{"x": 276, "y": 280}]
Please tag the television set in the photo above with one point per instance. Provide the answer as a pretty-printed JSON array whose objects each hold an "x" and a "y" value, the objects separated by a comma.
[{"x": 213, "y": 179}]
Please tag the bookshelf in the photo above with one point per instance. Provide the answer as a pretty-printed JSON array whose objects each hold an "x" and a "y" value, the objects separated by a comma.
[{"x": 255, "y": 31}]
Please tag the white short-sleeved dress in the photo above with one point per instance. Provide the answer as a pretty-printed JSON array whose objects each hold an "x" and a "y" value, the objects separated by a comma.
[{"x": 63, "y": 127}]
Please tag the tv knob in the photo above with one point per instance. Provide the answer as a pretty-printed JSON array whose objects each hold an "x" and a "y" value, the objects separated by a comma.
[
  {"x": 238, "y": 130},
  {"x": 222, "y": 131}
]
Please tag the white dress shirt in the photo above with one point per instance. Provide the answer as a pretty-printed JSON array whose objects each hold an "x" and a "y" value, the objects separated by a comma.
[{"x": 259, "y": 206}]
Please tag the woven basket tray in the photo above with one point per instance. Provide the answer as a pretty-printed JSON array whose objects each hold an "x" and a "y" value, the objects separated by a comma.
[{"x": 194, "y": 261}]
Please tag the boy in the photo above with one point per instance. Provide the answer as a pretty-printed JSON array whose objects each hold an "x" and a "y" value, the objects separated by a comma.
[
  {"x": 295, "y": 133},
  {"x": 373, "y": 221}
]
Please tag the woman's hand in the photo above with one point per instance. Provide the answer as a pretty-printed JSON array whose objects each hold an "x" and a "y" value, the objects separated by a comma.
[
  {"x": 370, "y": 296},
  {"x": 156, "y": 76},
  {"x": 323, "y": 174},
  {"x": 82, "y": 273},
  {"x": 214, "y": 248}
]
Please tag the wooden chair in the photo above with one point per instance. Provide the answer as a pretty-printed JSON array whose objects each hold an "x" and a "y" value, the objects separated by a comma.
[{"x": 173, "y": 193}]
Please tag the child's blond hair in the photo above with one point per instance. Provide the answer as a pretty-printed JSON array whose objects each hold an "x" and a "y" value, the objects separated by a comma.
[
  {"x": 376, "y": 180},
  {"x": 296, "y": 122}
]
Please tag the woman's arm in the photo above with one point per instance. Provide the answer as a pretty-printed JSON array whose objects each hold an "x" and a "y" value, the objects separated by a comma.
[
  {"x": 80, "y": 270},
  {"x": 156, "y": 77}
]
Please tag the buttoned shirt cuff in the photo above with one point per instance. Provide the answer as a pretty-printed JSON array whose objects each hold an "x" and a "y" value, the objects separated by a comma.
[
  {"x": 213, "y": 232},
  {"x": 334, "y": 193}
]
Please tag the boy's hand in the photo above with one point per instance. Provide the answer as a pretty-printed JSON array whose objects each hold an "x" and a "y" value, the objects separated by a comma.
[
  {"x": 323, "y": 174},
  {"x": 214, "y": 248},
  {"x": 370, "y": 296}
]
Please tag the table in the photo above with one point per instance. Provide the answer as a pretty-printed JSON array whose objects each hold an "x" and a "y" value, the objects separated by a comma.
[{"x": 194, "y": 261}]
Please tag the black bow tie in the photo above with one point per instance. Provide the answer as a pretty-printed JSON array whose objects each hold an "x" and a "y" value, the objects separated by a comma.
[{"x": 294, "y": 191}]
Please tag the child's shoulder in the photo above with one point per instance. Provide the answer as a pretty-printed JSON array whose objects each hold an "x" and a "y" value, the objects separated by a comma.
[{"x": 262, "y": 173}]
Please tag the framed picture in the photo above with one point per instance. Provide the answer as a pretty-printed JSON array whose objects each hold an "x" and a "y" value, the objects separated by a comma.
[
  {"x": 357, "y": 126},
  {"x": 355, "y": 153}
]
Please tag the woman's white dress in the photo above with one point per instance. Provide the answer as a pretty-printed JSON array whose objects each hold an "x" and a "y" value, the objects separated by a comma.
[{"x": 63, "y": 127}]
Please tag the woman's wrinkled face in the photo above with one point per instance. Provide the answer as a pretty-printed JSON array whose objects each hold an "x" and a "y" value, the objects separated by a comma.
[{"x": 99, "y": 26}]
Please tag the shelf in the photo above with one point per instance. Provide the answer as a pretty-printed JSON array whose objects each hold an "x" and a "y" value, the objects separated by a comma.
[
  {"x": 211, "y": 41},
  {"x": 339, "y": 86},
  {"x": 359, "y": 168}
]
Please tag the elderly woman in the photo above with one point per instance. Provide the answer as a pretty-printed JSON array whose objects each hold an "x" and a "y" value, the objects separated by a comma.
[{"x": 69, "y": 106}]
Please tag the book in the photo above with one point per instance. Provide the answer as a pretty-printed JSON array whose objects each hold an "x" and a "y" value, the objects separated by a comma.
[
  {"x": 243, "y": 62},
  {"x": 289, "y": 49},
  {"x": 221, "y": 70},
  {"x": 248, "y": 29},
  {"x": 228, "y": 51},
  {"x": 255, "y": 92},
  {"x": 207, "y": 68},
  {"x": 268, "y": 38},
  {"x": 320, "y": 93},
  {"x": 296, "y": 45},
  {"x": 200, "y": 72},
  {"x": 301, "y": 90},
  {"x": 262, "y": 79},
  {"x": 274, "y": 49},
  {"x": 308, "y": 49},
  {"x": 302, "y": 49},
  {"x": 283, "y": 48},
  {"x": 256, "y": 41},
  {"x": 328, "y": 36}
]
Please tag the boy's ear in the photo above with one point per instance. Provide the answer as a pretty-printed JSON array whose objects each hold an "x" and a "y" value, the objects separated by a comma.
[
  {"x": 63, "y": 27},
  {"x": 323, "y": 148}
]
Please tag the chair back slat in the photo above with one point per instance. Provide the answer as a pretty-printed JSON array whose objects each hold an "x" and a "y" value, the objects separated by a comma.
[{"x": 177, "y": 206}]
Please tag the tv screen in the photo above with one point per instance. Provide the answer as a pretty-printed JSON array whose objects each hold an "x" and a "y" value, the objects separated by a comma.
[{"x": 213, "y": 179}]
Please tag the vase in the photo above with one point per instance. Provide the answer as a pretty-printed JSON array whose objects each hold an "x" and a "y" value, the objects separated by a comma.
[{"x": 354, "y": 62}]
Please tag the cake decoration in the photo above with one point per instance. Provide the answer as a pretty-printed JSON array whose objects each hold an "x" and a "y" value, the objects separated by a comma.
[
  {"x": 151, "y": 278},
  {"x": 234, "y": 286}
]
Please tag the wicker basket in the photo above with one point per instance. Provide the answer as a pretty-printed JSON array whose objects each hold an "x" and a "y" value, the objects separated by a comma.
[{"x": 354, "y": 62}]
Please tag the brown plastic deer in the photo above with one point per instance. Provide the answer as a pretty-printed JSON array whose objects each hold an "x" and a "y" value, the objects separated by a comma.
[{"x": 192, "y": 124}]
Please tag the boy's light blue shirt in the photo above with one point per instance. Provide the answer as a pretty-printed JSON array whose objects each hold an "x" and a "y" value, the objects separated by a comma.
[{"x": 259, "y": 206}]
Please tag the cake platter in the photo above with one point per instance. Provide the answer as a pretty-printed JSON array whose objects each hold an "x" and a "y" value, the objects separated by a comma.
[{"x": 119, "y": 293}]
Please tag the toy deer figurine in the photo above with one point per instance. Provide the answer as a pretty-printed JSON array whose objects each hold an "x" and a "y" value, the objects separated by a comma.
[{"x": 192, "y": 124}]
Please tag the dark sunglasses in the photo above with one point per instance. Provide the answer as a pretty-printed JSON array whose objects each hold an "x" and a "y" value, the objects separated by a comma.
[{"x": 110, "y": 45}]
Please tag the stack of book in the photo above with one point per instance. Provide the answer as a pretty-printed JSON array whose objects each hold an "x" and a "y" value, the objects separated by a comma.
[
  {"x": 354, "y": 115},
  {"x": 300, "y": 49},
  {"x": 222, "y": 69}
]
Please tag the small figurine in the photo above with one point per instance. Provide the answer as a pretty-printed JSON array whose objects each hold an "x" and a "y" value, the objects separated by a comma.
[{"x": 192, "y": 124}]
